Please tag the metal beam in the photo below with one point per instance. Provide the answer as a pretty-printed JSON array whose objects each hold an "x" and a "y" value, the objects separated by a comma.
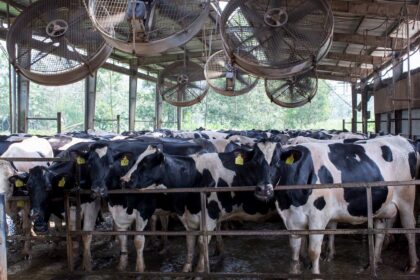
[
  {"x": 366, "y": 59},
  {"x": 158, "y": 109},
  {"x": 371, "y": 9},
  {"x": 369, "y": 40},
  {"x": 354, "y": 108},
  {"x": 90, "y": 99},
  {"x": 355, "y": 72},
  {"x": 22, "y": 94},
  {"x": 125, "y": 71},
  {"x": 132, "y": 96},
  {"x": 3, "y": 249},
  {"x": 167, "y": 58}
]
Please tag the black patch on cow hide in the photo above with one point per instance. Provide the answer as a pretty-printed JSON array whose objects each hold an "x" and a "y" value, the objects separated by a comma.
[
  {"x": 356, "y": 166},
  {"x": 412, "y": 161},
  {"x": 325, "y": 176},
  {"x": 387, "y": 153},
  {"x": 320, "y": 203},
  {"x": 213, "y": 210}
]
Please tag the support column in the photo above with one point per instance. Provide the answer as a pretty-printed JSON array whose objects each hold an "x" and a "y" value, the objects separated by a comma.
[
  {"x": 3, "y": 250},
  {"x": 354, "y": 108},
  {"x": 22, "y": 104},
  {"x": 364, "y": 109},
  {"x": 179, "y": 117},
  {"x": 90, "y": 99},
  {"x": 133, "y": 96},
  {"x": 158, "y": 109}
]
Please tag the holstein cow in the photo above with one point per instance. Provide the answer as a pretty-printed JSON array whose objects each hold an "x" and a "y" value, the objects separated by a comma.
[
  {"x": 381, "y": 159},
  {"x": 108, "y": 162},
  {"x": 47, "y": 188},
  {"x": 238, "y": 168},
  {"x": 25, "y": 147}
]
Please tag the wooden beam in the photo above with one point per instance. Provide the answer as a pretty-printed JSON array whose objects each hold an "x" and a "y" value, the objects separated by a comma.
[
  {"x": 366, "y": 59},
  {"x": 384, "y": 10},
  {"x": 369, "y": 40},
  {"x": 356, "y": 72},
  {"x": 339, "y": 78}
]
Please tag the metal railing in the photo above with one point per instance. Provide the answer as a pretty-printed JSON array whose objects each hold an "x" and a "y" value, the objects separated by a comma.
[
  {"x": 57, "y": 119},
  {"x": 117, "y": 120}
]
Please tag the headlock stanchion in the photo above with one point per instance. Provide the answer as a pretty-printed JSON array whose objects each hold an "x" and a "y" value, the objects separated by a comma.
[{"x": 3, "y": 250}]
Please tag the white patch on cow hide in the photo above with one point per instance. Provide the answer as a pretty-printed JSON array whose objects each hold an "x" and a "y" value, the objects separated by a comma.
[
  {"x": 214, "y": 165},
  {"x": 74, "y": 141},
  {"x": 101, "y": 151},
  {"x": 6, "y": 171},
  {"x": 268, "y": 150},
  {"x": 357, "y": 158},
  {"x": 149, "y": 151}
]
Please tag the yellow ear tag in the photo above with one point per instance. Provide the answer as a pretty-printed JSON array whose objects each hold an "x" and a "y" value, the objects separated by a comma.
[
  {"x": 80, "y": 160},
  {"x": 20, "y": 203},
  {"x": 124, "y": 161},
  {"x": 239, "y": 160},
  {"x": 19, "y": 183},
  {"x": 62, "y": 183},
  {"x": 290, "y": 160}
]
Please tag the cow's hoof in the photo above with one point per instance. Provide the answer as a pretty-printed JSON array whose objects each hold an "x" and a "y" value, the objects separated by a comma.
[
  {"x": 27, "y": 257},
  {"x": 295, "y": 267},
  {"x": 187, "y": 268},
  {"x": 87, "y": 266},
  {"x": 410, "y": 269}
]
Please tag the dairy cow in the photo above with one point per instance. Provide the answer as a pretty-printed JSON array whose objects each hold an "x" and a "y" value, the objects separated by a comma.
[
  {"x": 109, "y": 162},
  {"x": 47, "y": 187},
  {"x": 381, "y": 159},
  {"x": 237, "y": 168}
]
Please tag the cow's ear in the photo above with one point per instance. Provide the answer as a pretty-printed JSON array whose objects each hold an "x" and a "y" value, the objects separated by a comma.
[{"x": 290, "y": 157}]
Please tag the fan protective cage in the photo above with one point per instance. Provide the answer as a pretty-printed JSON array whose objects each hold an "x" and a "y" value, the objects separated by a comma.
[
  {"x": 183, "y": 84},
  {"x": 277, "y": 38},
  {"x": 167, "y": 24},
  {"x": 225, "y": 78},
  {"x": 292, "y": 92},
  {"x": 53, "y": 42}
]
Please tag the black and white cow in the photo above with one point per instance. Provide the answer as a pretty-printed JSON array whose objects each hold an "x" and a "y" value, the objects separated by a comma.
[
  {"x": 109, "y": 162},
  {"x": 381, "y": 159},
  {"x": 237, "y": 168},
  {"x": 47, "y": 187}
]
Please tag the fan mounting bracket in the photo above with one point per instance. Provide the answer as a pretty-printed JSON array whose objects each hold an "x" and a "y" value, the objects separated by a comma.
[
  {"x": 182, "y": 79},
  {"x": 56, "y": 28},
  {"x": 276, "y": 17}
]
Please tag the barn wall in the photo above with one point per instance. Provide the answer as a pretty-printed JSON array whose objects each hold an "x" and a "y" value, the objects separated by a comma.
[{"x": 383, "y": 97}]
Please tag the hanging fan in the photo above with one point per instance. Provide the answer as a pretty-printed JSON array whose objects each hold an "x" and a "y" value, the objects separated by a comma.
[
  {"x": 225, "y": 78},
  {"x": 294, "y": 91},
  {"x": 148, "y": 27},
  {"x": 52, "y": 42},
  {"x": 277, "y": 38},
  {"x": 182, "y": 84}
]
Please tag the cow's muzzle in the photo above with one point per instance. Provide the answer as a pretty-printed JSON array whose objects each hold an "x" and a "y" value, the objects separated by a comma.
[
  {"x": 99, "y": 192},
  {"x": 264, "y": 192}
]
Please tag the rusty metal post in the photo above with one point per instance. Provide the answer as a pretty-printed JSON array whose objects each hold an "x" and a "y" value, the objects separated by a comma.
[
  {"x": 3, "y": 249},
  {"x": 409, "y": 84},
  {"x": 344, "y": 124},
  {"x": 26, "y": 228},
  {"x": 158, "y": 109},
  {"x": 69, "y": 242},
  {"x": 372, "y": 260},
  {"x": 118, "y": 124},
  {"x": 354, "y": 108},
  {"x": 58, "y": 122},
  {"x": 204, "y": 232},
  {"x": 132, "y": 95}
]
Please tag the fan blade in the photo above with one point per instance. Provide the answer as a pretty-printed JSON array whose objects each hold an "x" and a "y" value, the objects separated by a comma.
[
  {"x": 214, "y": 74},
  {"x": 167, "y": 90},
  {"x": 245, "y": 81},
  {"x": 302, "y": 10}
]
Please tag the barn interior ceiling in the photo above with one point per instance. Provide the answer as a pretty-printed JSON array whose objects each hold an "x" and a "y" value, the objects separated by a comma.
[{"x": 367, "y": 34}]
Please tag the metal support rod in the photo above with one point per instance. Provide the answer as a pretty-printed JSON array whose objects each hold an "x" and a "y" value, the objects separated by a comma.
[
  {"x": 3, "y": 249},
  {"x": 354, "y": 108},
  {"x": 179, "y": 118},
  {"x": 372, "y": 260},
  {"x": 344, "y": 124},
  {"x": 90, "y": 99},
  {"x": 364, "y": 109},
  {"x": 203, "y": 220},
  {"x": 409, "y": 84},
  {"x": 158, "y": 109},
  {"x": 70, "y": 258},
  {"x": 132, "y": 95},
  {"x": 118, "y": 124},
  {"x": 58, "y": 122}
]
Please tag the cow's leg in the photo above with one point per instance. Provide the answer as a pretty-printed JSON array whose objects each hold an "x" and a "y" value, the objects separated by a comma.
[
  {"x": 164, "y": 221},
  {"x": 153, "y": 227},
  {"x": 389, "y": 237},
  {"x": 191, "y": 240},
  {"x": 220, "y": 247},
  {"x": 408, "y": 221},
  {"x": 295, "y": 244},
  {"x": 90, "y": 214},
  {"x": 331, "y": 237},
  {"x": 211, "y": 225},
  {"x": 122, "y": 221},
  {"x": 139, "y": 242},
  {"x": 315, "y": 243},
  {"x": 72, "y": 225},
  {"x": 379, "y": 239}
]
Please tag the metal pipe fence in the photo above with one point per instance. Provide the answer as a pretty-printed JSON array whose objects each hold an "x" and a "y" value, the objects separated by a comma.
[
  {"x": 57, "y": 119},
  {"x": 75, "y": 231}
]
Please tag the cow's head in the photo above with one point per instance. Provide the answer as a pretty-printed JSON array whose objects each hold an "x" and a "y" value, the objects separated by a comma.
[
  {"x": 6, "y": 171},
  {"x": 39, "y": 186},
  {"x": 100, "y": 161},
  {"x": 284, "y": 162},
  {"x": 147, "y": 171}
]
